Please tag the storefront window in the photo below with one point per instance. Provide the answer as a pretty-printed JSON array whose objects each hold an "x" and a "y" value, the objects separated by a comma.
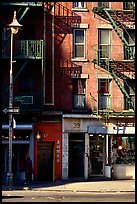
[
  {"x": 17, "y": 135},
  {"x": 123, "y": 150}
]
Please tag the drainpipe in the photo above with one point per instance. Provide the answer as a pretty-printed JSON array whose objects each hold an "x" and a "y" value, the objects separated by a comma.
[{"x": 106, "y": 149}]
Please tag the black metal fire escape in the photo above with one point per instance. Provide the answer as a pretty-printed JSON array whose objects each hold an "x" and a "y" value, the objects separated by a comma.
[
  {"x": 118, "y": 20},
  {"x": 63, "y": 20},
  {"x": 24, "y": 49}
]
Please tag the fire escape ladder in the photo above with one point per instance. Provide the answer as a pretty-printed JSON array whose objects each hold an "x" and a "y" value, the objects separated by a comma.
[
  {"x": 21, "y": 67},
  {"x": 103, "y": 12},
  {"x": 22, "y": 12},
  {"x": 119, "y": 33},
  {"x": 121, "y": 87}
]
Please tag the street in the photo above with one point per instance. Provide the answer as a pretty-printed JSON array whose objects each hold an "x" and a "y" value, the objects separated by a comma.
[{"x": 67, "y": 196}]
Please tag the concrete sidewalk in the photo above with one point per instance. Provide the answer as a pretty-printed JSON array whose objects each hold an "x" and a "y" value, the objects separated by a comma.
[{"x": 83, "y": 186}]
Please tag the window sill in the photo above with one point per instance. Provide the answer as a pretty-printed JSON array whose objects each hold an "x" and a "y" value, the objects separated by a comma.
[
  {"x": 80, "y": 9},
  {"x": 79, "y": 60}
]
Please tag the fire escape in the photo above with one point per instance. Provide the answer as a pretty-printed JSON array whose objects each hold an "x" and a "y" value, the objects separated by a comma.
[
  {"x": 120, "y": 21},
  {"x": 64, "y": 18},
  {"x": 25, "y": 50}
]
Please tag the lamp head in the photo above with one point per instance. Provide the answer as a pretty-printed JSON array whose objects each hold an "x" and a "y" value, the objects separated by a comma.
[
  {"x": 38, "y": 136},
  {"x": 15, "y": 25}
]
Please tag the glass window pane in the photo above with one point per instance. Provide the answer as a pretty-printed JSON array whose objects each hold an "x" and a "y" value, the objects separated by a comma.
[
  {"x": 79, "y": 51},
  {"x": 104, "y": 51},
  {"x": 104, "y": 102},
  {"x": 104, "y": 37},
  {"x": 103, "y": 4},
  {"x": 78, "y": 4},
  {"x": 79, "y": 101},
  {"x": 79, "y": 86},
  {"x": 79, "y": 36}
]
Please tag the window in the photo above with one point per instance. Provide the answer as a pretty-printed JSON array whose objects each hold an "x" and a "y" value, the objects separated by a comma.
[
  {"x": 129, "y": 5},
  {"x": 104, "y": 94},
  {"x": 130, "y": 37},
  {"x": 79, "y": 93},
  {"x": 79, "y": 43},
  {"x": 104, "y": 44},
  {"x": 79, "y": 4},
  {"x": 103, "y": 4},
  {"x": 123, "y": 150}
]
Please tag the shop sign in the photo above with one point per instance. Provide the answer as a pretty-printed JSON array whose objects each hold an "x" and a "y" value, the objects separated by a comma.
[{"x": 58, "y": 151}]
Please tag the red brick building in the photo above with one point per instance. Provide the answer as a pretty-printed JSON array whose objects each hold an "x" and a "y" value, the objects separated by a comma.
[{"x": 74, "y": 81}]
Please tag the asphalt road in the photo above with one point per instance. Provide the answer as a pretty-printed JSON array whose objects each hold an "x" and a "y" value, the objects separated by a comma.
[{"x": 46, "y": 196}]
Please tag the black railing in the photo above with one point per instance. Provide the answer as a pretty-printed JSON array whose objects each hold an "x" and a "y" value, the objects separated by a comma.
[{"x": 32, "y": 49}]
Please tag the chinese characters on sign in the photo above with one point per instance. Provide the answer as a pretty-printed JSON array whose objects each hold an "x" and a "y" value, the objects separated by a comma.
[{"x": 58, "y": 151}]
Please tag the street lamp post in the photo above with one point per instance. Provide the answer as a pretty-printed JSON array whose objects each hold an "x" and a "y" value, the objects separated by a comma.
[{"x": 14, "y": 27}]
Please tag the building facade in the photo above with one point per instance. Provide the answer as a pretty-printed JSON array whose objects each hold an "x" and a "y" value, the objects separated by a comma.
[{"x": 74, "y": 82}]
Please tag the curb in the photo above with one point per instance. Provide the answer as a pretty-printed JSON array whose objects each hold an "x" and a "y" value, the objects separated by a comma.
[{"x": 70, "y": 190}]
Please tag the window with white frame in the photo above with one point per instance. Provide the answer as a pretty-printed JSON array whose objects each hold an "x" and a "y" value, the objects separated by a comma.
[
  {"x": 104, "y": 45},
  {"x": 79, "y": 43},
  {"x": 79, "y": 86},
  {"x": 104, "y": 94},
  {"x": 79, "y": 4},
  {"x": 129, "y": 35}
]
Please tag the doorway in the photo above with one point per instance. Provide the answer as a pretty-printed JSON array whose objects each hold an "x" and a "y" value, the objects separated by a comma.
[
  {"x": 76, "y": 155},
  {"x": 45, "y": 161},
  {"x": 97, "y": 157}
]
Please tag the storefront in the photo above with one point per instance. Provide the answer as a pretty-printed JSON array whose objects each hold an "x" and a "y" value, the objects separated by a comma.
[
  {"x": 22, "y": 145},
  {"x": 105, "y": 149},
  {"x": 123, "y": 149},
  {"x": 85, "y": 144},
  {"x": 47, "y": 151}
]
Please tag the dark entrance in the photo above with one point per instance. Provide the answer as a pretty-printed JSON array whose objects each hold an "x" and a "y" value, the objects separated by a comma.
[
  {"x": 97, "y": 155},
  {"x": 45, "y": 161},
  {"x": 76, "y": 155}
]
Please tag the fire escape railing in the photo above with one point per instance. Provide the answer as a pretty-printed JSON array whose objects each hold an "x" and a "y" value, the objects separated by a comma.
[
  {"x": 32, "y": 49},
  {"x": 114, "y": 66},
  {"x": 117, "y": 19}
]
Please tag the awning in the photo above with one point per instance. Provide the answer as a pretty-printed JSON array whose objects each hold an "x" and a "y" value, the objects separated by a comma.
[
  {"x": 100, "y": 129},
  {"x": 110, "y": 129},
  {"x": 19, "y": 126}
]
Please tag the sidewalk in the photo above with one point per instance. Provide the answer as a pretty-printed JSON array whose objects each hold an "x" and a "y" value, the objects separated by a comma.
[{"x": 79, "y": 186}]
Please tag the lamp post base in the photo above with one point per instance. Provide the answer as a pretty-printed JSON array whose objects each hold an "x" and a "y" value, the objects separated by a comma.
[{"x": 10, "y": 180}]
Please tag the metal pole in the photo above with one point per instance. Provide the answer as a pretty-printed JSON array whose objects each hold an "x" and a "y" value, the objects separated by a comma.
[{"x": 10, "y": 174}]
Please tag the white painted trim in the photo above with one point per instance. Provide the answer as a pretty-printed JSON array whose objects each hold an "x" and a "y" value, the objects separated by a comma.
[
  {"x": 80, "y": 25},
  {"x": 83, "y": 76}
]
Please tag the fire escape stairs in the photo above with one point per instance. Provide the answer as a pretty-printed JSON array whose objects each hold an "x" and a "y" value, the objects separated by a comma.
[
  {"x": 115, "y": 74},
  {"x": 106, "y": 13},
  {"x": 103, "y": 12},
  {"x": 63, "y": 19},
  {"x": 121, "y": 87}
]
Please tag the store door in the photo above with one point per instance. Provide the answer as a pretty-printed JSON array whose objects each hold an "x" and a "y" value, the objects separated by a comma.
[
  {"x": 76, "y": 156},
  {"x": 45, "y": 161},
  {"x": 96, "y": 158}
]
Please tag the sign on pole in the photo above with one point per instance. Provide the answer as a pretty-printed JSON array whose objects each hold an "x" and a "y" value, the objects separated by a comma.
[{"x": 14, "y": 110}]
